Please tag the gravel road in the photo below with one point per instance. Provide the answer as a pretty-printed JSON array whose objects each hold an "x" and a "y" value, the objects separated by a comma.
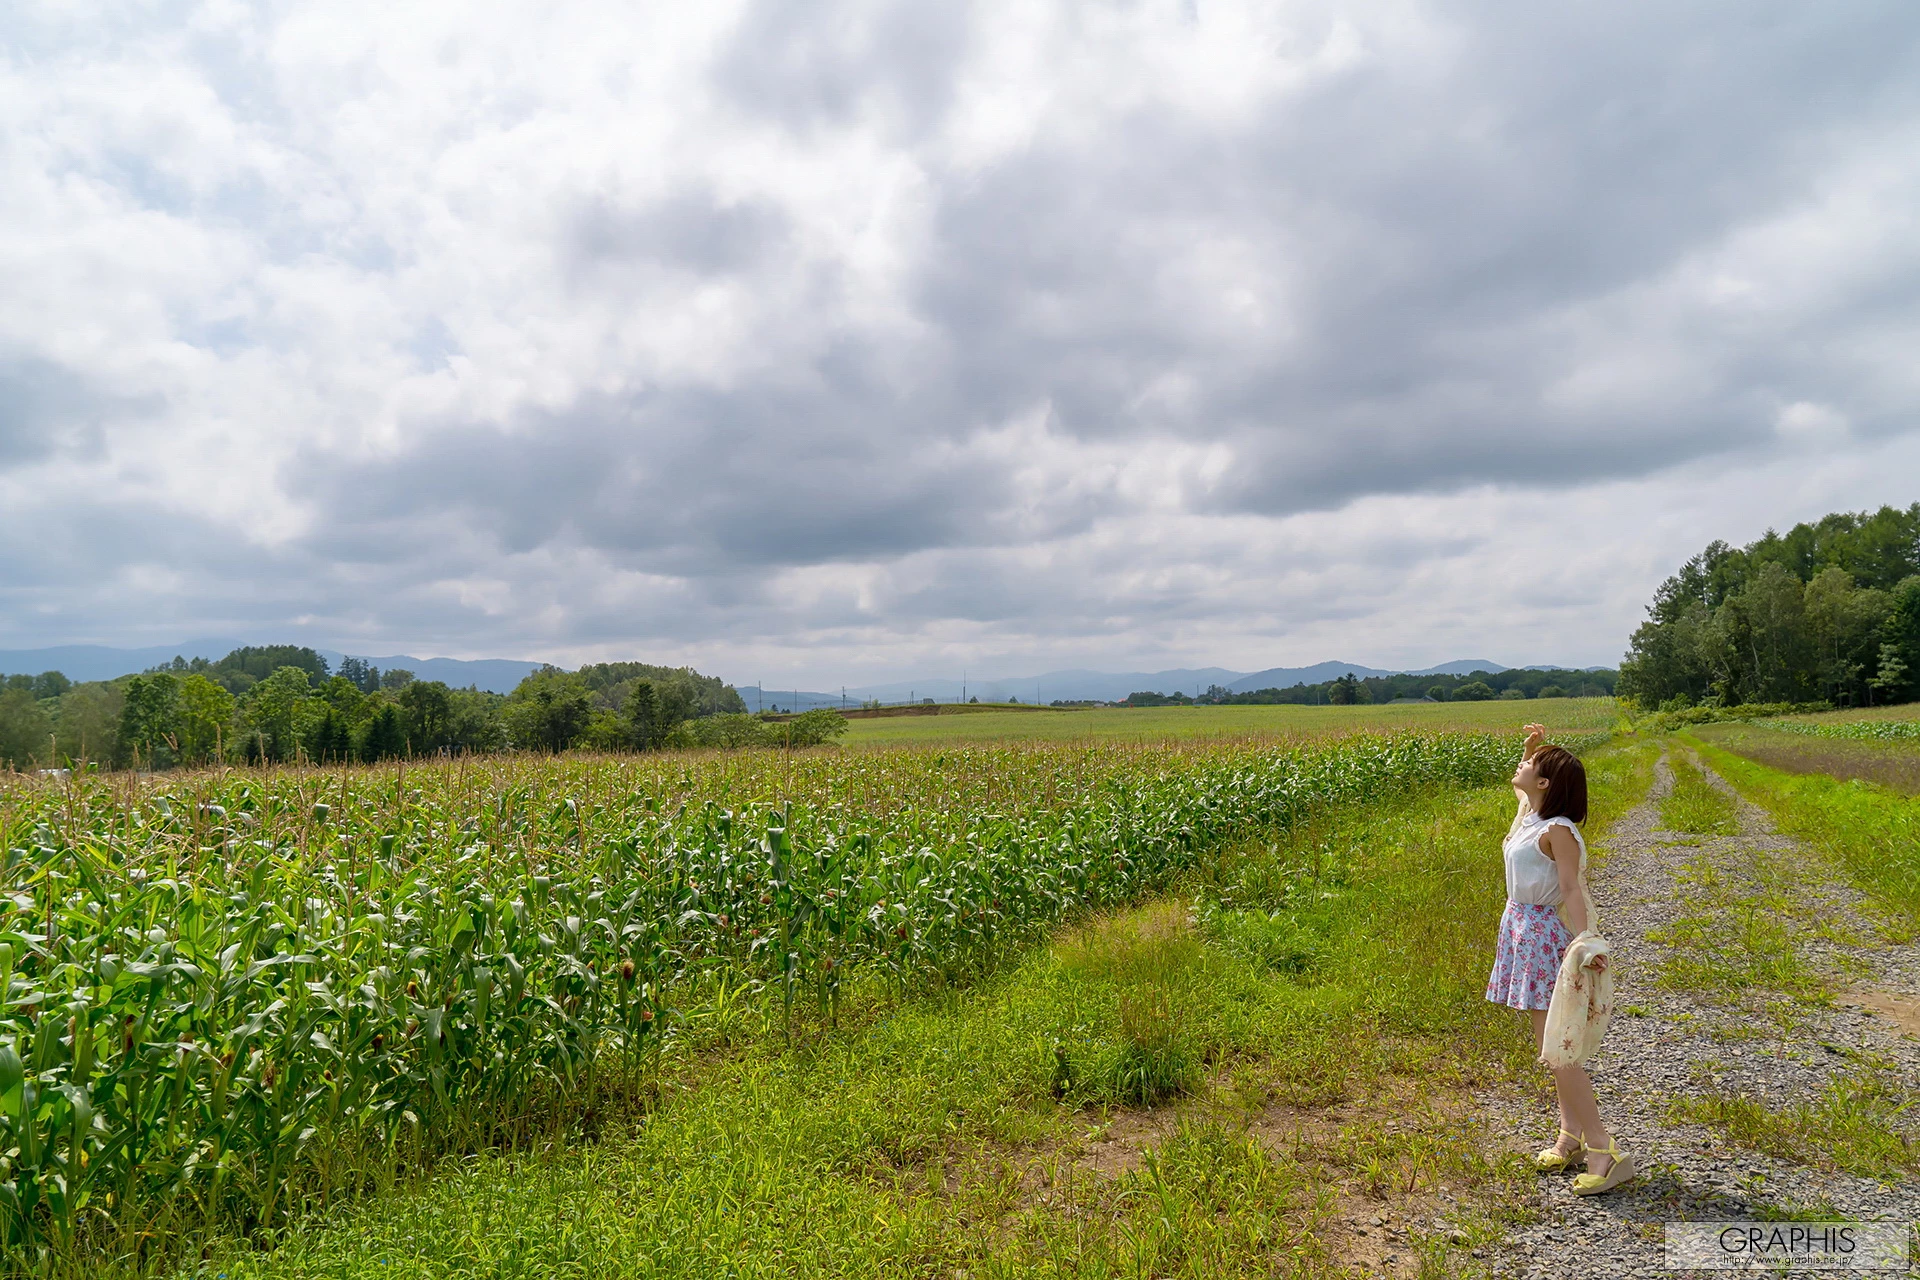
[{"x": 1680, "y": 1044}]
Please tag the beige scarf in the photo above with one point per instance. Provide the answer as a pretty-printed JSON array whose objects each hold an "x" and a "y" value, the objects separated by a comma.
[{"x": 1582, "y": 1004}]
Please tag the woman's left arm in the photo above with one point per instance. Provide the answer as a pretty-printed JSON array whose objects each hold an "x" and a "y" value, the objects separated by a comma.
[{"x": 1559, "y": 844}]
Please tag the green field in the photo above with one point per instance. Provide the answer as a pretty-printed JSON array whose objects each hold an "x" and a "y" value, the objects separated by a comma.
[
  {"x": 1169, "y": 992},
  {"x": 1220, "y": 1083},
  {"x": 1152, "y": 724},
  {"x": 1870, "y": 831},
  {"x": 238, "y": 999},
  {"x": 1196, "y": 1007}
]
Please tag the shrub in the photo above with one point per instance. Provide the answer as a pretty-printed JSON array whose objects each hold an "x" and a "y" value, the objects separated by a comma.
[
  {"x": 1155, "y": 1061},
  {"x": 811, "y": 728},
  {"x": 1669, "y": 717},
  {"x": 1271, "y": 939},
  {"x": 729, "y": 731}
]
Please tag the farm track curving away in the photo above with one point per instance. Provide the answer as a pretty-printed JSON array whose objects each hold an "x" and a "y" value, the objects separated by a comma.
[{"x": 1748, "y": 1039}]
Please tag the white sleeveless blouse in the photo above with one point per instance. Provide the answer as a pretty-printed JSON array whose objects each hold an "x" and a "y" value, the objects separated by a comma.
[{"x": 1531, "y": 875}]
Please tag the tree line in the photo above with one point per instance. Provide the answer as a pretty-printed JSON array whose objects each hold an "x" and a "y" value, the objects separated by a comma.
[
  {"x": 283, "y": 703},
  {"x": 1350, "y": 690},
  {"x": 1827, "y": 612}
]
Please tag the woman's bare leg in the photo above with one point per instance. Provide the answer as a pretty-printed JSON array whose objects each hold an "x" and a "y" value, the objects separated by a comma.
[{"x": 1579, "y": 1109}]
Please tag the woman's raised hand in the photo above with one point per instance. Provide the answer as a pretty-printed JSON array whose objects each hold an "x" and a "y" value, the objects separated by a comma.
[{"x": 1536, "y": 738}]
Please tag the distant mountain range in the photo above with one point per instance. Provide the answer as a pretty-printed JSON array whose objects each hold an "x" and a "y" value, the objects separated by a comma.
[
  {"x": 99, "y": 662},
  {"x": 1095, "y": 686}
]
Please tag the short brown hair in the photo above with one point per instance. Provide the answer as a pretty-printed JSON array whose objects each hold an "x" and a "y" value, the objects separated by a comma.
[{"x": 1566, "y": 784}]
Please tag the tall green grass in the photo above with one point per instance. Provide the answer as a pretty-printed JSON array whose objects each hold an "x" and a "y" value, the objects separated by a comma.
[
  {"x": 1695, "y": 806},
  {"x": 1862, "y": 1122},
  {"x": 230, "y": 1000},
  {"x": 954, "y": 1131}
]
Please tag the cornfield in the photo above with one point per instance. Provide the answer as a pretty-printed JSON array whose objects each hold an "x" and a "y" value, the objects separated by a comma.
[{"x": 224, "y": 993}]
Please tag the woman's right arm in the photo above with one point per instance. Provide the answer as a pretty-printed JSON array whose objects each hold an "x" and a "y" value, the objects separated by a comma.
[{"x": 1536, "y": 739}]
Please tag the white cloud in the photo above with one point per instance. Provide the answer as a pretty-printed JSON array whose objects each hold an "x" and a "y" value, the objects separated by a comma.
[
  {"x": 864, "y": 337},
  {"x": 1805, "y": 422}
]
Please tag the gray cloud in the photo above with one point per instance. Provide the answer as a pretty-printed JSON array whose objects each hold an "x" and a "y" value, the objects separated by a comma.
[
  {"x": 889, "y": 328},
  {"x": 805, "y": 70},
  {"x": 46, "y": 408},
  {"x": 690, "y": 231},
  {"x": 696, "y": 482}
]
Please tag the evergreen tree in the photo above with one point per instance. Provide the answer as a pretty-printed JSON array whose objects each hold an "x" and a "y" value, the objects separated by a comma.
[
  {"x": 385, "y": 737},
  {"x": 329, "y": 741},
  {"x": 643, "y": 711}
]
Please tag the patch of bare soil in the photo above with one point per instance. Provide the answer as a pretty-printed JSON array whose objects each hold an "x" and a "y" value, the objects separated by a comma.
[
  {"x": 1368, "y": 1226},
  {"x": 1372, "y": 1225},
  {"x": 1903, "y": 1011},
  {"x": 1378, "y": 1239},
  {"x": 1125, "y": 1139}
]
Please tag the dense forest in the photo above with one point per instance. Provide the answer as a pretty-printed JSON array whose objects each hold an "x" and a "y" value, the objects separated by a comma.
[
  {"x": 279, "y": 703},
  {"x": 1348, "y": 690},
  {"x": 1827, "y": 612}
]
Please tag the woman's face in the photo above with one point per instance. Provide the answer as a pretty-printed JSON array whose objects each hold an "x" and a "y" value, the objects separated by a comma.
[{"x": 1528, "y": 782}]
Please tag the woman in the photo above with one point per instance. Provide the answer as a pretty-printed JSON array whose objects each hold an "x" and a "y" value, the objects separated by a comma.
[{"x": 1547, "y": 906}]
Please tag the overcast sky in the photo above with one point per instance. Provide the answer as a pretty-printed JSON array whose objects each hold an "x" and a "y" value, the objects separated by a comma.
[{"x": 828, "y": 343}]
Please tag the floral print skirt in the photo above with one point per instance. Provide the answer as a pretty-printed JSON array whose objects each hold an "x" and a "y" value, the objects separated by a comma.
[{"x": 1532, "y": 941}]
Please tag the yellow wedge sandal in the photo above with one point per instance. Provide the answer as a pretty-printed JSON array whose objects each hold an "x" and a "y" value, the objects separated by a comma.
[
  {"x": 1553, "y": 1160},
  {"x": 1621, "y": 1170}
]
